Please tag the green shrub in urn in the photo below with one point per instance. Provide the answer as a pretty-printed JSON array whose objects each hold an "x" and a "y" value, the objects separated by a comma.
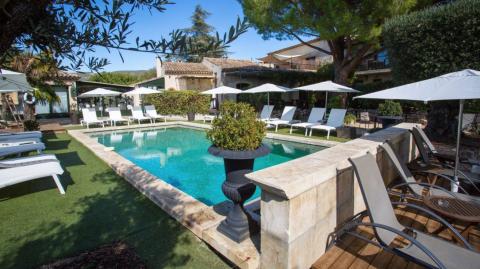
[
  {"x": 390, "y": 108},
  {"x": 237, "y": 128},
  {"x": 237, "y": 138}
]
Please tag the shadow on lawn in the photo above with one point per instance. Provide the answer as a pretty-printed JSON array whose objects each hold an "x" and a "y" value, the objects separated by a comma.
[{"x": 118, "y": 214}]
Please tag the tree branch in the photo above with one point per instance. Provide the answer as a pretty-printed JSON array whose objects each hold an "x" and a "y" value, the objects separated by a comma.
[{"x": 288, "y": 31}]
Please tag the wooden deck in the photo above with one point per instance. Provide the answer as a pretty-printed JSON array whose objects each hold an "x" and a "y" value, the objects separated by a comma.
[{"x": 351, "y": 252}]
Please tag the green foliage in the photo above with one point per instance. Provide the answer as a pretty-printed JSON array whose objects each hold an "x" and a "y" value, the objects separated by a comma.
[
  {"x": 350, "y": 119},
  {"x": 200, "y": 34},
  {"x": 369, "y": 88},
  {"x": 237, "y": 128},
  {"x": 326, "y": 72},
  {"x": 434, "y": 41},
  {"x": 390, "y": 108},
  {"x": 31, "y": 125},
  {"x": 73, "y": 30},
  {"x": 334, "y": 101},
  {"x": 179, "y": 102},
  {"x": 122, "y": 78},
  {"x": 353, "y": 28}
]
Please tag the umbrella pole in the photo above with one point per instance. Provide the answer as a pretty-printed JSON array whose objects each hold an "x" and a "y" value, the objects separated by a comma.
[
  {"x": 326, "y": 100},
  {"x": 268, "y": 102},
  {"x": 457, "y": 152}
]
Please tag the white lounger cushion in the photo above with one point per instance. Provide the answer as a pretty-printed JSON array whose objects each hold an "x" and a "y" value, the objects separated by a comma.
[
  {"x": 90, "y": 117},
  {"x": 20, "y": 135},
  {"x": 266, "y": 112},
  {"x": 137, "y": 114},
  {"x": 27, "y": 159},
  {"x": 19, "y": 141},
  {"x": 286, "y": 119},
  {"x": 152, "y": 113},
  {"x": 316, "y": 116},
  {"x": 115, "y": 115},
  {"x": 9, "y": 150},
  {"x": 335, "y": 120},
  {"x": 15, "y": 175}
]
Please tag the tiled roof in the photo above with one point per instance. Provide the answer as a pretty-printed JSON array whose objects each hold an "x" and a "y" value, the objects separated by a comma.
[
  {"x": 62, "y": 75},
  {"x": 185, "y": 68},
  {"x": 232, "y": 64}
]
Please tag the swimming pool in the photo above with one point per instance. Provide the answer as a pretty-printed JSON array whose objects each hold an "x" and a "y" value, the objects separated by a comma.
[{"x": 179, "y": 156}]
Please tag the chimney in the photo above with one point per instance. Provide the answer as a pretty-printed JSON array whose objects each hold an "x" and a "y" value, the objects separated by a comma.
[{"x": 159, "y": 64}]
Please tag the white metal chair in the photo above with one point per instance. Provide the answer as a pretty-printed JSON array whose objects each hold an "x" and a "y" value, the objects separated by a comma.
[
  {"x": 315, "y": 117},
  {"x": 335, "y": 120},
  {"x": 286, "y": 119}
]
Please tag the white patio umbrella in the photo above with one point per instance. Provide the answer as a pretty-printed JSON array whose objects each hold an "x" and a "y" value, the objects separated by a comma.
[
  {"x": 223, "y": 90},
  {"x": 142, "y": 91},
  {"x": 268, "y": 88},
  {"x": 13, "y": 82},
  {"x": 99, "y": 92},
  {"x": 462, "y": 85},
  {"x": 327, "y": 86}
]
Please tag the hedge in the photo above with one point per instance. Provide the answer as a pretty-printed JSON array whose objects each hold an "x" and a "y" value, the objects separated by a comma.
[
  {"x": 434, "y": 41},
  {"x": 179, "y": 102}
]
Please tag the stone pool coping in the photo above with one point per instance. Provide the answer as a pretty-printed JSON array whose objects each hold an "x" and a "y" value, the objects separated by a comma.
[{"x": 199, "y": 218}]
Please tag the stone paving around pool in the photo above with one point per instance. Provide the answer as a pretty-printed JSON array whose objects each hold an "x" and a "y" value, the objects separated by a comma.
[{"x": 201, "y": 219}]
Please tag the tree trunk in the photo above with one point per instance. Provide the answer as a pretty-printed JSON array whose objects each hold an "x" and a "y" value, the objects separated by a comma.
[
  {"x": 342, "y": 74},
  {"x": 28, "y": 112},
  {"x": 4, "y": 107}
]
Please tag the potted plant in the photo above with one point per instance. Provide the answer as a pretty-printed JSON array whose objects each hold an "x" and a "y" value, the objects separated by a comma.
[
  {"x": 194, "y": 103},
  {"x": 237, "y": 136},
  {"x": 347, "y": 131},
  {"x": 389, "y": 113}
]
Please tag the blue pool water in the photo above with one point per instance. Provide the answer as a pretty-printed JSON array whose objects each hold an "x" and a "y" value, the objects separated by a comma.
[{"x": 179, "y": 156}]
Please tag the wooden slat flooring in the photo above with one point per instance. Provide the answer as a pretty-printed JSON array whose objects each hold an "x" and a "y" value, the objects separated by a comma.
[{"x": 353, "y": 253}]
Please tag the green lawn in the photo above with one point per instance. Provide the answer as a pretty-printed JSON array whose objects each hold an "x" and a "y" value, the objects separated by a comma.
[{"x": 38, "y": 225}]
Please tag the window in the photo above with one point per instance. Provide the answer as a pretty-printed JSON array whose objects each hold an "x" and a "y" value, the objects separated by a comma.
[{"x": 311, "y": 58}]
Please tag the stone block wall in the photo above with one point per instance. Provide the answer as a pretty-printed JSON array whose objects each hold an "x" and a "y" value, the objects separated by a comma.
[{"x": 305, "y": 199}]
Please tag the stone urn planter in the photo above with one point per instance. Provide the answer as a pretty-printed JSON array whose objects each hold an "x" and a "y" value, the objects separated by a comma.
[
  {"x": 388, "y": 121},
  {"x": 191, "y": 116},
  {"x": 74, "y": 119},
  {"x": 347, "y": 132},
  {"x": 238, "y": 188},
  {"x": 236, "y": 137}
]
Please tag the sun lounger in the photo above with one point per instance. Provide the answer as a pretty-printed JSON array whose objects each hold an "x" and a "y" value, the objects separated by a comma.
[
  {"x": 90, "y": 117},
  {"x": 418, "y": 190},
  {"x": 422, "y": 248},
  {"x": 315, "y": 117},
  {"x": 209, "y": 118},
  {"x": 18, "y": 149},
  {"x": 20, "y": 135},
  {"x": 19, "y": 141},
  {"x": 286, "y": 119},
  {"x": 137, "y": 115},
  {"x": 15, "y": 171},
  {"x": 116, "y": 116},
  {"x": 152, "y": 113},
  {"x": 266, "y": 113},
  {"x": 434, "y": 162},
  {"x": 335, "y": 120}
]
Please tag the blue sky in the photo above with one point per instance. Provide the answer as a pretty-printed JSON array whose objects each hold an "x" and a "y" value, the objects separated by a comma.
[{"x": 177, "y": 16}]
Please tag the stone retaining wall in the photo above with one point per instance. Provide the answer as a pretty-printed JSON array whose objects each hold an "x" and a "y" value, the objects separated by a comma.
[{"x": 305, "y": 199}]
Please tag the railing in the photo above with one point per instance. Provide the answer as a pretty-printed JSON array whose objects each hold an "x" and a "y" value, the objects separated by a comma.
[{"x": 373, "y": 65}]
